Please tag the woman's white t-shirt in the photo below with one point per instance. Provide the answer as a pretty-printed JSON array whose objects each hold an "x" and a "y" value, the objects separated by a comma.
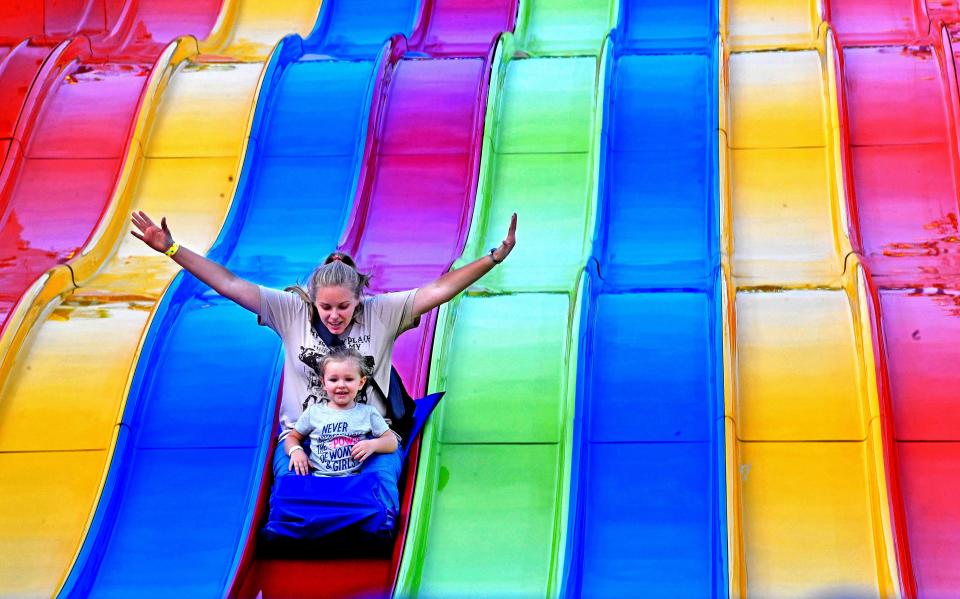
[{"x": 382, "y": 320}]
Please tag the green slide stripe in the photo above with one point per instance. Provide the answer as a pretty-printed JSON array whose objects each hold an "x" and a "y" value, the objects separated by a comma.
[{"x": 492, "y": 488}]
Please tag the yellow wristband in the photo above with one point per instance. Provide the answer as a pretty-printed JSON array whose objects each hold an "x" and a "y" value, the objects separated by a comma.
[{"x": 172, "y": 249}]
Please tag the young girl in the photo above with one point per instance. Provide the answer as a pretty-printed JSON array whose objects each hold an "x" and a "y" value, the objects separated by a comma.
[
  {"x": 333, "y": 305},
  {"x": 343, "y": 433}
]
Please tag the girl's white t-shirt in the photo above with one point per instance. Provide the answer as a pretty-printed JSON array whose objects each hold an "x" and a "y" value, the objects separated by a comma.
[
  {"x": 383, "y": 318},
  {"x": 333, "y": 434}
]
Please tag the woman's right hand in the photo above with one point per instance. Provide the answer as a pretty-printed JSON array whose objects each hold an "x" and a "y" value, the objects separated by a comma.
[
  {"x": 158, "y": 238},
  {"x": 299, "y": 462}
]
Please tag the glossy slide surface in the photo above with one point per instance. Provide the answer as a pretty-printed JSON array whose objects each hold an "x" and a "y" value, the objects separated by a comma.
[
  {"x": 423, "y": 173},
  {"x": 884, "y": 22},
  {"x": 463, "y": 27},
  {"x": 360, "y": 27},
  {"x": 491, "y": 488},
  {"x": 565, "y": 27},
  {"x": 106, "y": 23},
  {"x": 809, "y": 509},
  {"x": 648, "y": 499},
  {"x": 45, "y": 20},
  {"x": 433, "y": 27},
  {"x": 301, "y": 167},
  {"x": 76, "y": 366},
  {"x": 32, "y": 30},
  {"x": 37, "y": 32},
  {"x": 20, "y": 63},
  {"x": 69, "y": 115},
  {"x": 902, "y": 111},
  {"x": 766, "y": 24}
]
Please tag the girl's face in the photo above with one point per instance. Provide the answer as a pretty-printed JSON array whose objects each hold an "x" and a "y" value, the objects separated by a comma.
[
  {"x": 342, "y": 381},
  {"x": 336, "y": 306}
]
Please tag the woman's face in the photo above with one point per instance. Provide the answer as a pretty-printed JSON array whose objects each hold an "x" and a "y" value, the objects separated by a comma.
[{"x": 336, "y": 306}]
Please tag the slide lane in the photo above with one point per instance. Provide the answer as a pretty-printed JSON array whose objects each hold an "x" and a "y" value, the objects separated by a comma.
[
  {"x": 35, "y": 233},
  {"x": 902, "y": 117},
  {"x": 70, "y": 121},
  {"x": 20, "y": 64},
  {"x": 27, "y": 509},
  {"x": 358, "y": 28},
  {"x": 770, "y": 24},
  {"x": 808, "y": 508},
  {"x": 648, "y": 497},
  {"x": 161, "y": 483},
  {"x": 491, "y": 491},
  {"x": 883, "y": 22},
  {"x": 565, "y": 27},
  {"x": 31, "y": 29},
  {"x": 259, "y": 575},
  {"x": 33, "y": 32},
  {"x": 192, "y": 153},
  {"x": 435, "y": 27},
  {"x": 463, "y": 27},
  {"x": 430, "y": 131},
  {"x": 75, "y": 113},
  {"x": 53, "y": 19}
]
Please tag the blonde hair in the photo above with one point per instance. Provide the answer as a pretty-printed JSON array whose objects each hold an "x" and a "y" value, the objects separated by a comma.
[
  {"x": 342, "y": 353},
  {"x": 337, "y": 270}
]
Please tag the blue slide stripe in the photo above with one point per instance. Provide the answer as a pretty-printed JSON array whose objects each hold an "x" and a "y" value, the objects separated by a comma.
[
  {"x": 648, "y": 496},
  {"x": 182, "y": 487}
]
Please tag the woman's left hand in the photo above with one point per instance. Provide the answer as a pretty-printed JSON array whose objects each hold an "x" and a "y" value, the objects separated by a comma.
[
  {"x": 506, "y": 246},
  {"x": 444, "y": 289}
]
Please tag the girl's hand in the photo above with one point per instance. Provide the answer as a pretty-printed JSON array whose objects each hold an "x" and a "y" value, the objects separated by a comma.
[
  {"x": 299, "y": 462},
  {"x": 363, "y": 450},
  {"x": 158, "y": 238},
  {"x": 506, "y": 246}
]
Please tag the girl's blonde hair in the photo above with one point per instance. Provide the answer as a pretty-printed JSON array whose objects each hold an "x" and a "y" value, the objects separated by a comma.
[
  {"x": 342, "y": 353},
  {"x": 337, "y": 270}
]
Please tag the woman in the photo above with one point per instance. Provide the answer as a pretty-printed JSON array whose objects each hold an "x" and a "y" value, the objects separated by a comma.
[{"x": 332, "y": 310}]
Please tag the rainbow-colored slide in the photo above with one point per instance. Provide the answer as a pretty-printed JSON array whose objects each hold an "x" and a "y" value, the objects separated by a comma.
[
  {"x": 720, "y": 361},
  {"x": 72, "y": 84},
  {"x": 86, "y": 320},
  {"x": 504, "y": 352},
  {"x": 803, "y": 401}
]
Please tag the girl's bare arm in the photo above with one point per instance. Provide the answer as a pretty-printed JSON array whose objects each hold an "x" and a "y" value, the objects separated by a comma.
[{"x": 298, "y": 459}]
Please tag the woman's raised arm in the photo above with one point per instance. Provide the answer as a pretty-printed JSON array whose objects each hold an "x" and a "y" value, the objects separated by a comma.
[
  {"x": 219, "y": 278},
  {"x": 450, "y": 284}
]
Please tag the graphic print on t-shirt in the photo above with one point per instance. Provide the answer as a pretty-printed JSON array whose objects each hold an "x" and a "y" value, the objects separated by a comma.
[
  {"x": 333, "y": 446},
  {"x": 357, "y": 342},
  {"x": 310, "y": 357}
]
